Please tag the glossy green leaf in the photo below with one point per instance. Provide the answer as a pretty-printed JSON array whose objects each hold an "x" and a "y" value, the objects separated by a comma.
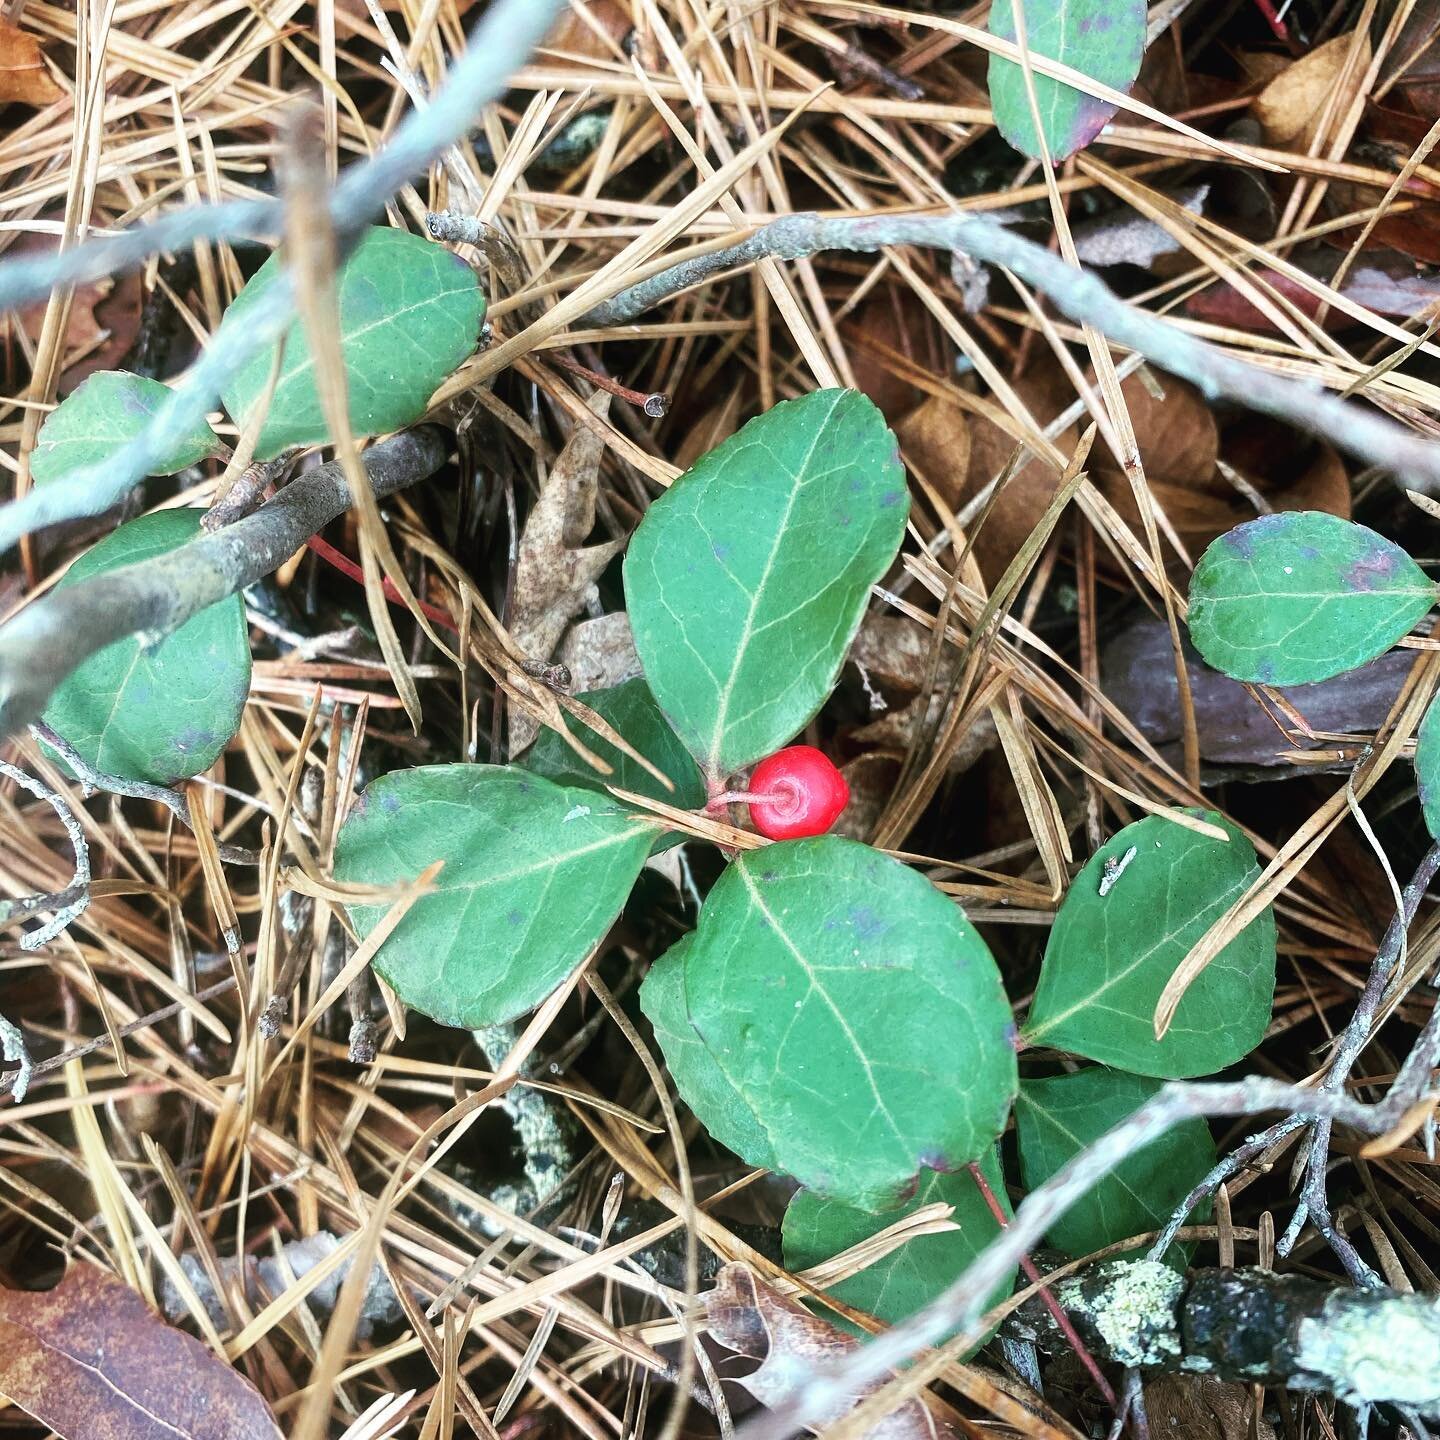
[
  {"x": 1292, "y": 598},
  {"x": 1427, "y": 767},
  {"x": 1132, "y": 915},
  {"x": 631, "y": 709},
  {"x": 410, "y": 314},
  {"x": 698, "y": 1077},
  {"x": 1102, "y": 39},
  {"x": 164, "y": 711},
  {"x": 913, "y": 1274},
  {"x": 747, "y": 579},
  {"x": 534, "y": 875},
  {"x": 1061, "y": 1115},
  {"x": 101, "y": 415},
  {"x": 856, "y": 1012}
]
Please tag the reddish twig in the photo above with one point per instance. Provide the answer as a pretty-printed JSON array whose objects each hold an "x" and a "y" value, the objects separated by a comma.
[
  {"x": 1051, "y": 1303},
  {"x": 655, "y": 404},
  {"x": 1273, "y": 20},
  {"x": 346, "y": 566}
]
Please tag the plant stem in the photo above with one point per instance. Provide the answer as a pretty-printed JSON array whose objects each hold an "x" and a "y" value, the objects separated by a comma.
[{"x": 1051, "y": 1303}]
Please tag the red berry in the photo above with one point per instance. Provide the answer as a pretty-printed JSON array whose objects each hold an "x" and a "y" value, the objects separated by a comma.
[{"x": 805, "y": 794}]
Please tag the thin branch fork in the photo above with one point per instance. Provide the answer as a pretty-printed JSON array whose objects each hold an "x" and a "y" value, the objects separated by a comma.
[{"x": 1082, "y": 297}]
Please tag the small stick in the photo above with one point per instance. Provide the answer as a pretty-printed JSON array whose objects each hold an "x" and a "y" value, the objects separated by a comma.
[
  {"x": 95, "y": 779},
  {"x": 656, "y": 404},
  {"x": 69, "y": 910}
]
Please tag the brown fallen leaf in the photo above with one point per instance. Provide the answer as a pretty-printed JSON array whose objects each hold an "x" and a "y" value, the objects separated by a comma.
[
  {"x": 871, "y": 778},
  {"x": 1046, "y": 392},
  {"x": 599, "y": 653},
  {"x": 24, "y": 80},
  {"x": 555, "y": 573},
  {"x": 597, "y": 34},
  {"x": 889, "y": 320},
  {"x": 1199, "y": 1407},
  {"x": 103, "y": 322},
  {"x": 92, "y": 1361},
  {"x": 892, "y": 650},
  {"x": 1290, "y": 106},
  {"x": 935, "y": 442},
  {"x": 747, "y": 1316}
]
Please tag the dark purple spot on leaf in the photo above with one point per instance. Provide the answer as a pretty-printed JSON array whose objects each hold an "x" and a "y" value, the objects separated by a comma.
[{"x": 1371, "y": 570}]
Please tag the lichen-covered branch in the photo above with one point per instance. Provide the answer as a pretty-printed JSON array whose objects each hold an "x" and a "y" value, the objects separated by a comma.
[
  {"x": 1078, "y": 294},
  {"x": 1249, "y": 1325},
  {"x": 959, "y": 1307},
  {"x": 48, "y": 639}
]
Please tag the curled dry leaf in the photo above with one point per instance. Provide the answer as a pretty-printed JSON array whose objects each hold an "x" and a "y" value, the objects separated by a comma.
[
  {"x": 1292, "y": 104},
  {"x": 1125, "y": 237},
  {"x": 747, "y": 1316},
  {"x": 556, "y": 572},
  {"x": 1233, "y": 726},
  {"x": 599, "y": 653},
  {"x": 90, "y": 1359},
  {"x": 24, "y": 80}
]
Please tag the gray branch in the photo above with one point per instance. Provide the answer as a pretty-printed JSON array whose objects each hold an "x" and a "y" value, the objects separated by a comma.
[
  {"x": 505, "y": 35},
  {"x": 67, "y": 909},
  {"x": 93, "y": 779},
  {"x": 48, "y": 639},
  {"x": 1078, "y": 294}
]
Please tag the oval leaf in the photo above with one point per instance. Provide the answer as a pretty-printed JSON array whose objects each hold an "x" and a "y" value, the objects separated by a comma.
[
  {"x": 913, "y": 1274},
  {"x": 158, "y": 712},
  {"x": 534, "y": 875},
  {"x": 1060, "y": 1115},
  {"x": 104, "y": 413},
  {"x": 1427, "y": 767},
  {"x": 1110, "y": 954},
  {"x": 410, "y": 314},
  {"x": 632, "y": 710},
  {"x": 701, "y": 1082},
  {"x": 856, "y": 1012},
  {"x": 1104, "y": 39},
  {"x": 746, "y": 580},
  {"x": 1293, "y": 598}
]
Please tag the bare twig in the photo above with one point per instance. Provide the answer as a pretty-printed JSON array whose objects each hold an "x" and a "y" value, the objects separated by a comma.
[
  {"x": 1079, "y": 294},
  {"x": 47, "y": 640},
  {"x": 144, "y": 1022},
  {"x": 67, "y": 910},
  {"x": 959, "y": 1308},
  {"x": 94, "y": 779},
  {"x": 1314, "y": 1200},
  {"x": 505, "y": 35}
]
